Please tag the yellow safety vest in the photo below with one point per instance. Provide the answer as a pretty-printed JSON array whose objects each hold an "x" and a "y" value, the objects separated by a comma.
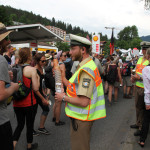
[
  {"x": 139, "y": 68},
  {"x": 96, "y": 109}
]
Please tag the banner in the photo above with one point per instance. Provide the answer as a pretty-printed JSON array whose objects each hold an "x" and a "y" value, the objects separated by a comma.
[{"x": 96, "y": 43}]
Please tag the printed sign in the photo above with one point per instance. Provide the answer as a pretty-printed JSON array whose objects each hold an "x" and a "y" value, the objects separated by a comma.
[{"x": 96, "y": 43}]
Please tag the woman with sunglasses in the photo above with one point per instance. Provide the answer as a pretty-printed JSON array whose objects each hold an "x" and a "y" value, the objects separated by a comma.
[{"x": 40, "y": 61}]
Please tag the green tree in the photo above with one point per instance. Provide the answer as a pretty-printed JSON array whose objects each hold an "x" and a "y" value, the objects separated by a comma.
[
  {"x": 136, "y": 43},
  {"x": 4, "y": 17},
  {"x": 62, "y": 46}
]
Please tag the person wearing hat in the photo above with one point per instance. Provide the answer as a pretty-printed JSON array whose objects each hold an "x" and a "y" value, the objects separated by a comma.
[
  {"x": 126, "y": 74},
  {"x": 5, "y": 126},
  {"x": 139, "y": 93},
  {"x": 85, "y": 97}
]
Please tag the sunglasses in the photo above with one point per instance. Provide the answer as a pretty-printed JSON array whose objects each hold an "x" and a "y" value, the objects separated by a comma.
[
  {"x": 43, "y": 61},
  {"x": 64, "y": 55}
]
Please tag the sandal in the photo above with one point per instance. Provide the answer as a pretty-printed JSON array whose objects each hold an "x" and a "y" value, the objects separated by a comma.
[{"x": 141, "y": 143}]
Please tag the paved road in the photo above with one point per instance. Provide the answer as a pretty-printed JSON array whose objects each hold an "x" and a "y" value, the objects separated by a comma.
[{"x": 111, "y": 133}]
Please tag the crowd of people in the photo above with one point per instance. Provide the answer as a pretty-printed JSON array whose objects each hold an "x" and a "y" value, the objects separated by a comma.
[{"x": 84, "y": 76}]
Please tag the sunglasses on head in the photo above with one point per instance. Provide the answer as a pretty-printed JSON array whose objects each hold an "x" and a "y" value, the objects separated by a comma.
[{"x": 43, "y": 61}]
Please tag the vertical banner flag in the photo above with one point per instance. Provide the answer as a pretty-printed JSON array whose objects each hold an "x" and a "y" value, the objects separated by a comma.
[
  {"x": 112, "y": 43},
  {"x": 96, "y": 43}
]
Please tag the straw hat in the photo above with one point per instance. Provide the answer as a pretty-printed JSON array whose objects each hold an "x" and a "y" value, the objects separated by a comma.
[
  {"x": 3, "y": 31},
  {"x": 48, "y": 56}
]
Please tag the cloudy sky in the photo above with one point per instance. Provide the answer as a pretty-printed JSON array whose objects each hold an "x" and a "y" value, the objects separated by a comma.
[{"x": 91, "y": 15}]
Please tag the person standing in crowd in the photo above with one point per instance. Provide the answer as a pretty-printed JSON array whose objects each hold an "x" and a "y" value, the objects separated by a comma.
[
  {"x": 68, "y": 65},
  {"x": 126, "y": 74},
  {"x": 85, "y": 96},
  {"x": 114, "y": 79},
  {"x": 6, "y": 139},
  {"x": 8, "y": 54},
  {"x": 146, "y": 82},
  {"x": 40, "y": 62},
  {"x": 61, "y": 56},
  {"x": 139, "y": 93},
  {"x": 25, "y": 109}
]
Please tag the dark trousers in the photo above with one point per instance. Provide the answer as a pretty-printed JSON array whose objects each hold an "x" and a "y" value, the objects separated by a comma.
[
  {"x": 6, "y": 140},
  {"x": 25, "y": 114},
  {"x": 140, "y": 106},
  {"x": 145, "y": 126}
]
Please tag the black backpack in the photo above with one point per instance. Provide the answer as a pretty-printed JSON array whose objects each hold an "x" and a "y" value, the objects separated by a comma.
[
  {"x": 68, "y": 66},
  {"x": 112, "y": 74},
  {"x": 49, "y": 79},
  {"x": 23, "y": 90}
]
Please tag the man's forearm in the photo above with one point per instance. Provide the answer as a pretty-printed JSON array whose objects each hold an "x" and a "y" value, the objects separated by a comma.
[{"x": 81, "y": 101}]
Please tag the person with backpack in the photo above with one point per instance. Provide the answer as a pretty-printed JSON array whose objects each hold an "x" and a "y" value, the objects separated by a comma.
[
  {"x": 25, "y": 109},
  {"x": 126, "y": 75},
  {"x": 114, "y": 79},
  {"x": 40, "y": 61}
]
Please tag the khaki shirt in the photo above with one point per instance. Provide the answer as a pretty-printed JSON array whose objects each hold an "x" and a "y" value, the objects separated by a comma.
[{"x": 86, "y": 82}]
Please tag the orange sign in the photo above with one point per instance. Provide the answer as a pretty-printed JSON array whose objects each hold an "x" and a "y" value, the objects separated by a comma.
[{"x": 95, "y": 38}]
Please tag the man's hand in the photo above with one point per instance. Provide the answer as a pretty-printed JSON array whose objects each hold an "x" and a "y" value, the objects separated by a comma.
[
  {"x": 59, "y": 96},
  {"x": 147, "y": 107},
  {"x": 15, "y": 86},
  {"x": 134, "y": 78}
]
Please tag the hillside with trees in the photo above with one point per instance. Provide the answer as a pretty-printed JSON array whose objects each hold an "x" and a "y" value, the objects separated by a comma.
[{"x": 9, "y": 14}]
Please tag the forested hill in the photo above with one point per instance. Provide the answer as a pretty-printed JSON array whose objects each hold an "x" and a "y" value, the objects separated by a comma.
[
  {"x": 145, "y": 38},
  {"x": 9, "y": 14}
]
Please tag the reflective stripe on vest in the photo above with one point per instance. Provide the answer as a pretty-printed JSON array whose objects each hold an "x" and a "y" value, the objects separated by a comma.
[
  {"x": 96, "y": 109},
  {"x": 139, "y": 68}
]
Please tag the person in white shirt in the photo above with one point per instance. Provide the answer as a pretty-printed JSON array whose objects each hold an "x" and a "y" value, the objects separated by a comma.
[{"x": 146, "y": 81}]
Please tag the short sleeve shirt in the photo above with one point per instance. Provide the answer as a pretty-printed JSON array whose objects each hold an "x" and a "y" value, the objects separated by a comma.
[
  {"x": 4, "y": 76},
  {"x": 86, "y": 82}
]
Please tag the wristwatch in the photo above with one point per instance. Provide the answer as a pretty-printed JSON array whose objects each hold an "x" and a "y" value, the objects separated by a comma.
[{"x": 64, "y": 98}]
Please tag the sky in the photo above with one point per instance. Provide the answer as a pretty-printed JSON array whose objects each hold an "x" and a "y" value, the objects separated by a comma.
[{"x": 91, "y": 15}]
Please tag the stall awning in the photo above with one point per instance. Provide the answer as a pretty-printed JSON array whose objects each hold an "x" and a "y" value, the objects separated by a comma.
[{"x": 32, "y": 33}]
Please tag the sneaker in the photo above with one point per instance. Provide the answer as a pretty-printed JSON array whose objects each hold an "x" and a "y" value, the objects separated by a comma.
[
  {"x": 134, "y": 126},
  {"x": 59, "y": 123},
  {"x": 43, "y": 130},
  {"x": 128, "y": 97},
  {"x": 124, "y": 96},
  {"x": 35, "y": 133},
  {"x": 33, "y": 146}
]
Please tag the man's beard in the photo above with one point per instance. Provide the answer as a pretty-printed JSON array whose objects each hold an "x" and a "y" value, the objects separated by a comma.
[{"x": 77, "y": 57}]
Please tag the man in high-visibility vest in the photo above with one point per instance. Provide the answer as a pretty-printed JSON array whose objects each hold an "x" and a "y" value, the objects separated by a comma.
[
  {"x": 85, "y": 97},
  {"x": 139, "y": 94}
]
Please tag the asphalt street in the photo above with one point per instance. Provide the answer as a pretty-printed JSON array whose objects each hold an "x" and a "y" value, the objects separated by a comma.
[{"x": 110, "y": 133}]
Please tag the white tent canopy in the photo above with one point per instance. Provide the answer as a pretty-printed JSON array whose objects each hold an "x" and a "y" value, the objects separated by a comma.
[{"x": 32, "y": 33}]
